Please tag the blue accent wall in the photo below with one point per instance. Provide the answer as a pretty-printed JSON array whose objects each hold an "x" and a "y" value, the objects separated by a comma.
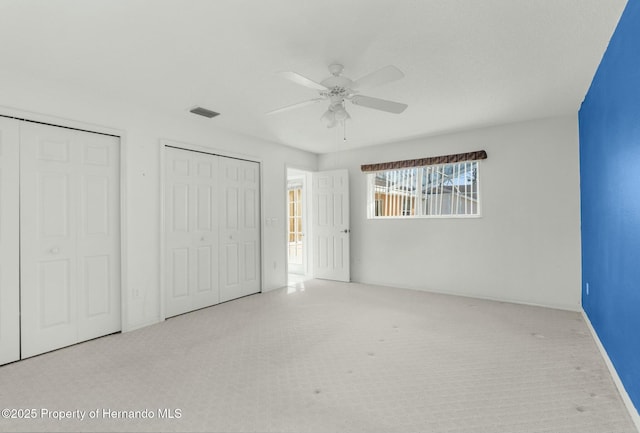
[{"x": 610, "y": 200}]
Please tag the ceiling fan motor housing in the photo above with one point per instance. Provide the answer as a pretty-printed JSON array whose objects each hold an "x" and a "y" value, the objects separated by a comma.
[{"x": 341, "y": 82}]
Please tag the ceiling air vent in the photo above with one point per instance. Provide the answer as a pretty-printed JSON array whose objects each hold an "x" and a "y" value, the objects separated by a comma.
[{"x": 203, "y": 112}]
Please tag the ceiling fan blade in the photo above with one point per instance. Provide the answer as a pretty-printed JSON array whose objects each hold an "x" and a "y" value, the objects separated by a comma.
[
  {"x": 379, "y": 77},
  {"x": 379, "y": 104},
  {"x": 303, "y": 81},
  {"x": 294, "y": 106}
]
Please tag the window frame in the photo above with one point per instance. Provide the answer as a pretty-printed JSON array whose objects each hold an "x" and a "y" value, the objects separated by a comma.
[{"x": 418, "y": 214}]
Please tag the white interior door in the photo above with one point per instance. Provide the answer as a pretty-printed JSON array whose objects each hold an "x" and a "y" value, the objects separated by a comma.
[
  {"x": 239, "y": 228},
  {"x": 70, "y": 236},
  {"x": 9, "y": 242},
  {"x": 191, "y": 231},
  {"x": 330, "y": 192}
]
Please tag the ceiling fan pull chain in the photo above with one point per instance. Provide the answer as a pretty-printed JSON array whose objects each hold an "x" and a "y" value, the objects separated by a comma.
[{"x": 344, "y": 134}]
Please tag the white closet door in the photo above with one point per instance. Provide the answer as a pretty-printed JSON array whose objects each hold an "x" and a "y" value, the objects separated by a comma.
[
  {"x": 9, "y": 243},
  {"x": 191, "y": 230},
  {"x": 239, "y": 228},
  {"x": 70, "y": 237},
  {"x": 98, "y": 236}
]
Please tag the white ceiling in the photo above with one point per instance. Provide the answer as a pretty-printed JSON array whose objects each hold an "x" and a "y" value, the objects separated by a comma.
[{"x": 468, "y": 63}]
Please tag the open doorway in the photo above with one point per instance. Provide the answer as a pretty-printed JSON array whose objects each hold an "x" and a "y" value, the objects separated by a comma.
[
  {"x": 318, "y": 233},
  {"x": 297, "y": 225}
]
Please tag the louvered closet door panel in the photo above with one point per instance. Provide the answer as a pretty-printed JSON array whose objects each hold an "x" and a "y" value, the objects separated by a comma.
[
  {"x": 70, "y": 237},
  {"x": 9, "y": 242},
  {"x": 191, "y": 231},
  {"x": 239, "y": 228}
]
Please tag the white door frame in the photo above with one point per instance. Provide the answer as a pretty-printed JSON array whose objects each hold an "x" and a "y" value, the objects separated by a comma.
[
  {"x": 98, "y": 129},
  {"x": 163, "y": 143}
]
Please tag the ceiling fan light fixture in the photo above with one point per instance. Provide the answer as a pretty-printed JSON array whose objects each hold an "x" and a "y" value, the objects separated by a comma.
[
  {"x": 329, "y": 118},
  {"x": 341, "y": 114}
]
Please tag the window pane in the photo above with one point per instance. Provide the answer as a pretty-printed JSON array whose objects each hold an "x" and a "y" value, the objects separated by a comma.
[
  {"x": 394, "y": 192},
  {"x": 437, "y": 190},
  {"x": 450, "y": 189}
]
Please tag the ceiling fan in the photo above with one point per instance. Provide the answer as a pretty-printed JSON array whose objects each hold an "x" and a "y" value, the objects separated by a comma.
[{"x": 337, "y": 89}]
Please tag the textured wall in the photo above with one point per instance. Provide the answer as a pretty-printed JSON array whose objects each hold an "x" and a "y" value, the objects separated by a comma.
[{"x": 610, "y": 199}]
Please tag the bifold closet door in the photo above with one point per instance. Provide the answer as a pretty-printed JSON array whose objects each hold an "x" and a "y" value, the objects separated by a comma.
[
  {"x": 239, "y": 228},
  {"x": 9, "y": 243},
  {"x": 191, "y": 231},
  {"x": 212, "y": 230},
  {"x": 70, "y": 236}
]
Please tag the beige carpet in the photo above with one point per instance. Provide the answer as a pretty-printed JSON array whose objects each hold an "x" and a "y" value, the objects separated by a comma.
[{"x": 331, "y": 357}]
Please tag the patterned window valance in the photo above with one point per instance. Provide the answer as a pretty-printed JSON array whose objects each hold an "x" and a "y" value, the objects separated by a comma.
[{"x": 434, "y": 160}]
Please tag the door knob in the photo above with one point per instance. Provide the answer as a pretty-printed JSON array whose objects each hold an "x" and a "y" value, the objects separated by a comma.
[
  {"x": 346, "y": 231},
  {"x": 54, "y": 250}
]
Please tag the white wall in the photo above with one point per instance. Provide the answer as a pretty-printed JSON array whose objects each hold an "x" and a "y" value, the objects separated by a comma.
[
  {"x": 143, "y": 129},
  {"x": 525, "y": 247}
]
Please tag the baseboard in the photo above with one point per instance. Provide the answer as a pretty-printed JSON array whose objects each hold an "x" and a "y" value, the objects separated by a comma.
[
  {"x": 573, "y": 308},
  {"x": 635, "y": 416}
]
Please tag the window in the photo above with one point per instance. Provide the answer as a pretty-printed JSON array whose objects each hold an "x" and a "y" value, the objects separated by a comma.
[{"x": 443, "y": 190}]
